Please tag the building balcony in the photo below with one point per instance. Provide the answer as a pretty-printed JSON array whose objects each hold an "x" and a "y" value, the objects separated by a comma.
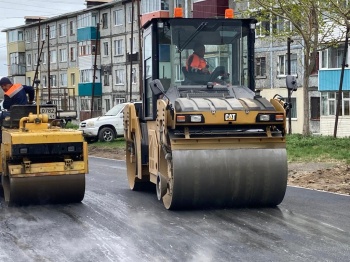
[
  {"x": 85, "y": 89},
  {"x": 86, "y": 34},
  {"x": 17, "y": 70},
  {"x": 329, "y": 79}
]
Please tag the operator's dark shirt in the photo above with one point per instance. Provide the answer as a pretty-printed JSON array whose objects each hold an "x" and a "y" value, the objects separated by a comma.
[{"x": 20, "y": 98}]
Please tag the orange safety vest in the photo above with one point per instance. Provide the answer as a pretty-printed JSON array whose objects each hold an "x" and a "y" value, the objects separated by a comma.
[
  {"x": 14, "y": 89},
  {"x": 196, "y": 63}
]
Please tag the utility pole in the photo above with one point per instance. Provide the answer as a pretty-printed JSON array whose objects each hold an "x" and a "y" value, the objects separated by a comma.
[
  {"x": 95, "y": 67},
  {"x": 289, "y": 41},
  {"x": 339, "y": 100},
  {"x": 131, "y": 48},
  {"x": 140, "y": 49},
  {"x": 48, "y": 65}
]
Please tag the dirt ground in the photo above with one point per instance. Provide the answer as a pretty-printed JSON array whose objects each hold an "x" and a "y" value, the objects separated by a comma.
[{"x": 330, "y": 176}]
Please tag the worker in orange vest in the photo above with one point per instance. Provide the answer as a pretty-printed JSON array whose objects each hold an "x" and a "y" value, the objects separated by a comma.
[
  {"x": 16, "y": 94},
  {"x": 196, "y": 62}
]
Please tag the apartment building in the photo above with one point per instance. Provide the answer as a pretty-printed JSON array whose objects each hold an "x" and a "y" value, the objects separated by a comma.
[{"x": 85, "y": 54}]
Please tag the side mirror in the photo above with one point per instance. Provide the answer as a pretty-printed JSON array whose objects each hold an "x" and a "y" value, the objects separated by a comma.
[
  {"x": 156, "y": 87},
  {"x": 291, "y": 83}
]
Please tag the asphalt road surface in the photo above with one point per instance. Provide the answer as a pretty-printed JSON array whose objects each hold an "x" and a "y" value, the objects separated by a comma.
[{"x": 114, "y": 223}]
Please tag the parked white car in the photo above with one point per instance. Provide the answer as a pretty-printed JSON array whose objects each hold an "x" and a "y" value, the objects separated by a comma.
[{"x": 104, "y": 128}]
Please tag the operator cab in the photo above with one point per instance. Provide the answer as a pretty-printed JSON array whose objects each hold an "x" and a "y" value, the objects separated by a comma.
[{"x": 169, "y": 42}]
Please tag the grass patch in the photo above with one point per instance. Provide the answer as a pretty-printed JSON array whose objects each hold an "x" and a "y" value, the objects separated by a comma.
[
  {"x": 71, "y": 125},
  {"x": 317, "y": 148},
  {"x": 117, "y": 143}
]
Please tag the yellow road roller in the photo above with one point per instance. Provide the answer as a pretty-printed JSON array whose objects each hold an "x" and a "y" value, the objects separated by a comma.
[
  {"x": 205, "y": 137},
  {"x": 40, "y": 161}
]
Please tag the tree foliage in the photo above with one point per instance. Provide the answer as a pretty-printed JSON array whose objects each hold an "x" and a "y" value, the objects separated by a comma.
[{"x": 314, "y": 23}]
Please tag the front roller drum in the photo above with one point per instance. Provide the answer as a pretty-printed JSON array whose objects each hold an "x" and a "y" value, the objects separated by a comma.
[
  {"x": 226, "y": 178},
  {"x": 44, "y": 189}
]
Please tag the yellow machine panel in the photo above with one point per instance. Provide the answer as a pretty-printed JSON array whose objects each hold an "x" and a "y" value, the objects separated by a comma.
[{"x": 42, "y": 163}]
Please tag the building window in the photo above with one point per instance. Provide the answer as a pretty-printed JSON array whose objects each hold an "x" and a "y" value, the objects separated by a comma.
[
  {"x": 72, "y": 79},
  {"x": 86, "y": 76},
  {"x": 118, "y": 47},
  {"x": 262, "y": 28},
  {"x": 29, "y": 81},
  {"x": 118, "y": 100},
  {"x": 52, "y": 31},
  {"x": 324, "y": 59},
  {"x": 28, "y": 35},
  {"x": 63, "y": 79},
  {"x": 35, "y": 35},
  {"x": 53, "y": 56},
  {"x": 333, "y": 57},
  {"x": 44, "y": 83},
  {"x": 130, "y": 15},
  {"x": 53, "y": 81},
  {"x": 35, "y": 59},
  {"x": 44, "y": 57},
  {"x": 85, "y": 104},
  {"x": 63, "y": 55},
  {"x": 72, "y": 28},
  {"x": 118, "y": 17},
  {"x": 104, "y": 20},
  {"x": 119, "y": 74},
  {"x": 84, "y": 48},
  {"x": 15, "y": 36},
  {"x": 73, "y": 54},
  {"x": 105, "y": 48},
  {"x": 329, "y": 102},
  {"x": 315, "y": 108},
  {"x": 29, "y": 59},
  {"x": 281, "y": 25},
  {"x": 105, "y": 79},
  {"x": 62, "y": 30},
  {"x": 43, "y": 33},
  {"x": 283, "y": 64},
  {"x": 260, "y": 67},
  {"x": 108, "y": 104}
]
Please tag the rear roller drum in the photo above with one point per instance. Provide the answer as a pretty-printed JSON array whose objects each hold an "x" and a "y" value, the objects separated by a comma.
[{"x": 44, "y": 189}]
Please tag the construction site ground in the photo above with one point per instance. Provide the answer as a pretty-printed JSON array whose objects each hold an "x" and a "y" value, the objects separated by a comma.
[{"x": 326, "y": 176}]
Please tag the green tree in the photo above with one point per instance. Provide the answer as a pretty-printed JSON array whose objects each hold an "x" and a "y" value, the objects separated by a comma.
[{"x": 311, "y": 28}]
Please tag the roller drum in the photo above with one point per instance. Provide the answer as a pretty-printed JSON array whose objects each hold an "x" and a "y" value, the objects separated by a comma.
[
  {"x": 228, "y": 177},
  {"x": 44, "y": 189}
]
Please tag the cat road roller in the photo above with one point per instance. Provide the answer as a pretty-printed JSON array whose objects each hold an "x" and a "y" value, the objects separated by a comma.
[
  {"x": 41, "y": 162},
  {"x": 205, "y": 139}
]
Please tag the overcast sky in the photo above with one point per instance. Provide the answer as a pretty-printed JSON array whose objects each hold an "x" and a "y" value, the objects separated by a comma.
[{"x": 14, "y": 11}]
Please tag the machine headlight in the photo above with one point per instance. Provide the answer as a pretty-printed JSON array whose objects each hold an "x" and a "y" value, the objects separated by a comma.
[
  {"x": 270, "y": 118},
  {"x": 189, "y": 119},
  {"x": 264, "y": 118},
  {"x": 196, "y": 118},
  {"x": 90, "y": 124}
]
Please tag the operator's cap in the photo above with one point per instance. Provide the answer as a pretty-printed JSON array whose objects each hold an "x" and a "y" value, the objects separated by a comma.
[{"x": 5, "y": 81}]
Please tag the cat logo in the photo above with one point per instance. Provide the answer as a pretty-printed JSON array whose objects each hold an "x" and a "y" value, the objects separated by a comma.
[{"x": 230, "y": 117}]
